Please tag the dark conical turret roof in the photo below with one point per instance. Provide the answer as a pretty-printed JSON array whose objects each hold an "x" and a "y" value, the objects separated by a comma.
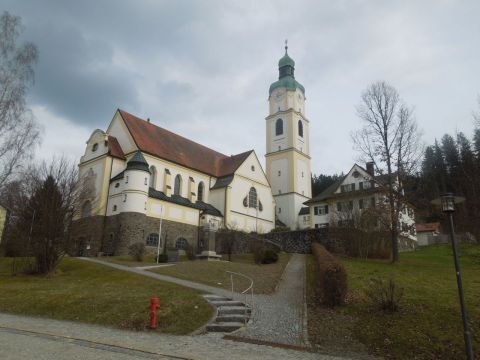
[{"x": 138, "y": 162}]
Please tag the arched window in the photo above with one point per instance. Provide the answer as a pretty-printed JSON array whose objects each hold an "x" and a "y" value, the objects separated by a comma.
[
  {"x": 279, "y": 127},
  {"x": 177, "y": 189},
  {"x": 200, "y": 191},
  {"x": 300, "y": 128},
  {"x": 152, "y": 239},
  {"x": 87, "y": 209},
  {"x": 153, "y": 177},
  {"x": 181, "y": 244},
  {"x": 252, "y": 198}
]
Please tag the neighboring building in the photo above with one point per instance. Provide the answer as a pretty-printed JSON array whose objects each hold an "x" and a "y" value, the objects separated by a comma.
[
  {"x": 3, "y": 220},
  {"x": 350, "y": 196},
  {"x": 136, "y": 173},
  {"x": 288, "y": 146},
  {"x": 428, "y": 233}
]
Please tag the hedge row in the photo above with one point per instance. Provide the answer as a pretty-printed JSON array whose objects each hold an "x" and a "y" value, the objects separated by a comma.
[{"x": 331, "y": 281}]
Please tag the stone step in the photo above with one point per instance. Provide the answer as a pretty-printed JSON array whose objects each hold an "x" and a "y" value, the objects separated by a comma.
[
  {"x": 211, "y": 297},
  {"x": 218, "y": 303},
  {"x": 233, "y": 318},
  {"x": 224, "y": 326},
  {"x": 230, "y": 310}
]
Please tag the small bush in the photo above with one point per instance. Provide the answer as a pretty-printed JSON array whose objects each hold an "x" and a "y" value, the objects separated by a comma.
[
  {"x": 385, "y": 295},
  {"x": 258, "y": 250},
  {"x": 331, "y": 277},
  {"x": 162, "y": 258},
  {"x": 137, "y": 251},
  {"x": 190, "y": 252},
  {"x": 269, "y": 257}
]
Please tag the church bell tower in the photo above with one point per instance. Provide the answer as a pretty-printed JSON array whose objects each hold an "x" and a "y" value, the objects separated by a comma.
[{"x": 288, "y": 144}]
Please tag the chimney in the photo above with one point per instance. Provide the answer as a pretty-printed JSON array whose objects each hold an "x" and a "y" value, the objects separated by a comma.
[{"x": 370, "y": 168}]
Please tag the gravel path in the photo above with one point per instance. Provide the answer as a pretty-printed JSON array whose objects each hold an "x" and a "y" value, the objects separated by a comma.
[
  {"x": 37, "y": 338},
  {"x": 279, "y": 317}
]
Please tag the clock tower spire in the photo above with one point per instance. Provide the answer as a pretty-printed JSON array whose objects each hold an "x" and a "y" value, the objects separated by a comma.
[{"x": 288, "y": 144}]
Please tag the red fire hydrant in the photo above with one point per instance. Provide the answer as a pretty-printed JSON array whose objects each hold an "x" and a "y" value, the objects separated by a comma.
[{"x": 154, "y": 306}]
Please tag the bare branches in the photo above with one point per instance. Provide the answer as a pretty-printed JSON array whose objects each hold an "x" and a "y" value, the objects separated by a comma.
[{"x": 19, "y": 133}]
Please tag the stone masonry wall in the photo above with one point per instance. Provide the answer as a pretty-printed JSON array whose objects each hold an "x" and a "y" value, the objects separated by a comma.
[{"x": 86, "y": 232}]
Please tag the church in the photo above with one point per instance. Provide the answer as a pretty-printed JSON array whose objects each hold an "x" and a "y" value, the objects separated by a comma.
[{"x": 138, "y": 178}]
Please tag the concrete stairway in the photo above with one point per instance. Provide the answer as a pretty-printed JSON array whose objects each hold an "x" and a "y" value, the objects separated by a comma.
[{"x": 231, "y": 314}]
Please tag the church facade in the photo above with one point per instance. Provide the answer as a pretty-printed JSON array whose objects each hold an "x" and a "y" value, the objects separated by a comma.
[{"x": 136, "y": 176}]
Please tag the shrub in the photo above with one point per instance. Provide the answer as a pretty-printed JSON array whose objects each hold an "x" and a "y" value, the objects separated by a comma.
[
  {"x": 190, "y": 252},
  {"x": 269, "y": 257},
  {"x": 137, "y": 251},
  {"x": 385, "y": 295},
  {"x": 162, "y": 258},
  {"x": 331, "y": 277},
  {"x": 258, "y": 250}
]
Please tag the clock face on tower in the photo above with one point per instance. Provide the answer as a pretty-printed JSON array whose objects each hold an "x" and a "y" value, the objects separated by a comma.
[{"x": 278, "y": 96}]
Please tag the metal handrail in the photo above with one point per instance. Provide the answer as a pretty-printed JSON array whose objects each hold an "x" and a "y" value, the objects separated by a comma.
[{"x": 244, "y": 292}]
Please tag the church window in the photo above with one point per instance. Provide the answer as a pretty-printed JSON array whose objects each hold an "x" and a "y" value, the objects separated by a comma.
[
  {"x": 145, "y": 182},
  {"x": 177, "y": 189},
  {"x": 279, "y": 127},
  {"x": 145, "y": 208},
  {"x": 152, "y": 239},
  {"x": 200, "y": 191},
  {"x": 87, "y": 209},
  {"x": 245, "y": 201},
  {"x": 279, "y": 148},
  {"x": 300, "y": 128},
  {"x": 252, "y": 198},
  {"x": 126, "y": 179},
  {"x": 117, "y": 185},
  {"x": 153, "y": 176},
  {"x": 279, "y": 210},
  {"x": 253, "y": 168},
  {"x": 279, "y": 173},
  {"x": 114, "y": 207},
  {"x": 125, "y": 198},
  {"x": 181, "y": 244},
  {"x": 302, "y": 174},
  {"x": 94, "y": 147},
  {"x": 260, "y": 206}
]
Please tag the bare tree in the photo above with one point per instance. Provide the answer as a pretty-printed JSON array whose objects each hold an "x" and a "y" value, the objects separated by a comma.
[
  {"x": 19, "y": 133},
  {"x": 391, "y": 140}
]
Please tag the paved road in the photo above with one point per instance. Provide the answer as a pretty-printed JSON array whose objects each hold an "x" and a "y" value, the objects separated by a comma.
[{"x": 24, "y": 338}]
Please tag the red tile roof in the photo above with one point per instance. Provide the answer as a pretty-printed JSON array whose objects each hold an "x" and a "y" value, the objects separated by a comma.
[
  {"x": 167, "y": 145},
  {"x": 114, "y": 148},
  {"x": 428, "y": 227}
]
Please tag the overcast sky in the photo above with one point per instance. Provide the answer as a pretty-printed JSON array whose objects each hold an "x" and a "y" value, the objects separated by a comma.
[{"x": 203, "y": 69}]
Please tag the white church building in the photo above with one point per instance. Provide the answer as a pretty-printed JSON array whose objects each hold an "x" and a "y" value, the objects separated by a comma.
[{"x": 138, "y": 173}]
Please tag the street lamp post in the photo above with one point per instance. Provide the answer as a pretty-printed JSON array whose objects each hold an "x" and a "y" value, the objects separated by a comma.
[{"x": 447, "y": 202}]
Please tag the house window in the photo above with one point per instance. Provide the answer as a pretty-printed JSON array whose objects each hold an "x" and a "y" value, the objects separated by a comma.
[
  {"x": 200, "y": 191},
  {"x": 252, "y": 198},
  {"x": 320, "y": 210},
  {"x": 279, "y": 148},
  {"x": 87, "y": 209},
  {"x": 94, "y": 147},
  {"x": 300, "y": 127},
  {"x": 178, "y": 185},
  {"x": 153, "y": 176},
  {"x": 152, "y": 239},
  {"x": 279, "y": 127},
  {"x": 181, "y": 244},
  {"x": 279, "y": 191}
]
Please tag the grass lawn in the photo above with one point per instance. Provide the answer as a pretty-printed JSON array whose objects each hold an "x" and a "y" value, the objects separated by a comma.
[
  {"x": 213, "y": 273},
  {"x": 93, "y": 293},
  {"x": 130, "y": 261},
  {"x": 428, "y": 324}
]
